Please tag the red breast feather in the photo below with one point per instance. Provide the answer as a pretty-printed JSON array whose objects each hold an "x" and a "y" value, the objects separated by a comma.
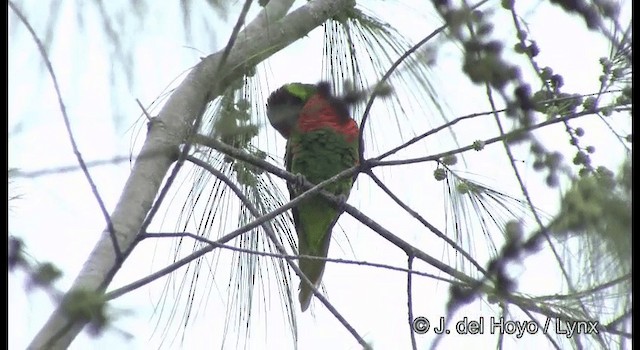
[{"x": 325, "y": 111}]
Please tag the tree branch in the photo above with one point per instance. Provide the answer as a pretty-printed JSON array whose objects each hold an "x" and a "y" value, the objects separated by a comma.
[
  {"x": 408, "y": 248},
  {"x": 271, "y": 13},
  {"x": 374, "y": 162},
  {"x": 175, "y": 120},
  {"x": 425, "y": 222},
  {"x": 394, "y": 66},
  {"x": 219, "y": 244},
  {"x": 196, "y": 124},
  {"x": 269, "y": 231}
]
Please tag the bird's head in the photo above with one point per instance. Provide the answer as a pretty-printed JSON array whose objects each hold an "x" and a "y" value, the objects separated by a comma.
[{"x": 285, "y": 103}]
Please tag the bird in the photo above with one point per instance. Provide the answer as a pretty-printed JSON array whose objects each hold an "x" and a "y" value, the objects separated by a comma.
[{"x": 322, "y": 140}]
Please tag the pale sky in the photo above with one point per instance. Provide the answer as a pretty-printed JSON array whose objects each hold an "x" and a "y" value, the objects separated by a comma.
[{"x": 59, "y": 220}]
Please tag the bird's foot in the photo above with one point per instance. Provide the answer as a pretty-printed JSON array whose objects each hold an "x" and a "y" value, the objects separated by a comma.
[
  {"x": 298, "y": 182},
  {"x": 342, "y": 201}
]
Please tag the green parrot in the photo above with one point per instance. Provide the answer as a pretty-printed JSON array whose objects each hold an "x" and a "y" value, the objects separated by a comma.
[{"x": 322, "y": 140}]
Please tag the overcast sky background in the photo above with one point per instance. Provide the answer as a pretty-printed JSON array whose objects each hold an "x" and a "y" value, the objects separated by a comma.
[{"x": 59, "y": 220}]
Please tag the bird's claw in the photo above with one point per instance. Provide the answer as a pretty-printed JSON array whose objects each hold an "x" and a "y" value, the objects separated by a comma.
[
  {"x": 298, "y": 182},
  {"x": 342, "y": 201}
]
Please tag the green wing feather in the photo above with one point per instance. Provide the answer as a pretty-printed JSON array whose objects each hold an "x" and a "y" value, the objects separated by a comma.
[{"x": 318, "y": 155}]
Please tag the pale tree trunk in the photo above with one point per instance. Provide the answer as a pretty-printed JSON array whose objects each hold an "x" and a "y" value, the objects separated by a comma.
[{"x": 261, "y": 38}]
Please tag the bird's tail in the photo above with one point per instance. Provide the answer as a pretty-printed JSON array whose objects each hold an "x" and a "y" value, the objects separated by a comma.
[
  {"x": 313, "y": 238},
  {"x": 305, "y": 297},
  {"x": 313, "y": 270}
]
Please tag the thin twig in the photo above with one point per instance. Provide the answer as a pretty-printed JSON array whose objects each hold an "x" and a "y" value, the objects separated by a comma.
[
  {"x": 572, "y": 315},
  {"x": 546, "y": 334},
  {"x": 618, "y": 320},
  {"x": 503, "y": 313},
  {"x": 374, "y": 162},
  {"x": 67, "y": 124},
  {"x": 231, "y": 235},
  {"x": 412, "y": 332},
  {"x": 196, "y": 125},
  {"x": 361, "y": 217},
  {"x": 119, "y": 159},
  {"x": 408, "y": 248},
  {"x": 72, "y": 168},
  {"x": 394, "y": 66},
  {"x": 544, "y": 81},
  {"x": 293, "y": 257},
  {"x": 425, "y": 222},
  {"x": 474, "y": 115},
  {"x": 144, "y": 110},
  {"x": 433, "y": 131},
  {"x": 525, "y": 193},
  {"x": 385, "y": 77},
  {"x": 269, "y": 231},
  {"x": 527, "y": 303},
  {"x": 234, "y": 34},
  {"x": 580, "y": 294}
]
